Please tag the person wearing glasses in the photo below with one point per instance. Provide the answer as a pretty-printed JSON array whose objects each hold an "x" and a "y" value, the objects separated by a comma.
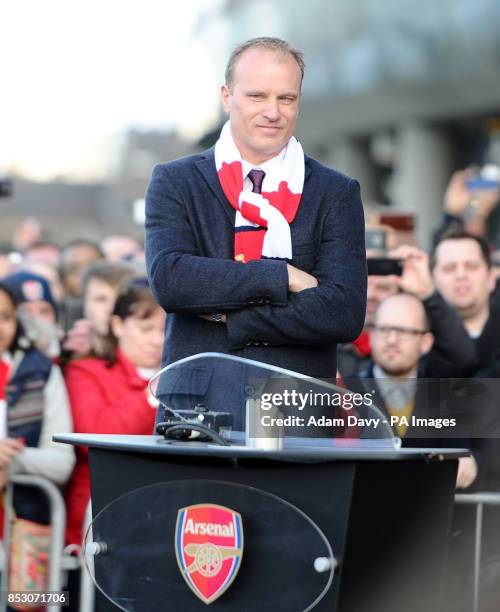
[{"x": 401, "y": 342}]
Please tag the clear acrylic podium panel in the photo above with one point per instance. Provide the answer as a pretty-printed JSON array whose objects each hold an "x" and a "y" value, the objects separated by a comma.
[
  {"x": 139, "y": 569},
  {"x": 268, "y": 402}
]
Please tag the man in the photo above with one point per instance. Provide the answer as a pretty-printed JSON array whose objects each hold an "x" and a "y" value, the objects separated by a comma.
[
  {"x": 33, "y": 295},
  {"x": 462, "y": 274},
  {"x": 451, "y": 355},
  {"x": 400, "y": 340},
  {"x": 257, "y": 249},
  {"x": 37, "y": 309}
]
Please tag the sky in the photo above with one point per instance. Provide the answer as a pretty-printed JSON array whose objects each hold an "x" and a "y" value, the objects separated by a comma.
[{"x": 75, "y": 75}]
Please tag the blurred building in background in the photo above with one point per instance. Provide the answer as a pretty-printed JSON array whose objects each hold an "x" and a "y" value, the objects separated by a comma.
[
  {"x": 397, "y": 93},
  {"x": 69, "y": 210}
]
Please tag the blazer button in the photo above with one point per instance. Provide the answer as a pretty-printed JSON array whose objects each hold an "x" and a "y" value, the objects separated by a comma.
[
  {"x": 256, "y": 343},
  {"x": 260, "y": 301},
  {"x": 265, "y": 343},
  {"x": 248, "y": 343}
]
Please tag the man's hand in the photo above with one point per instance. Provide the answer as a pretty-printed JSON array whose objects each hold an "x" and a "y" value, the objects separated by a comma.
[
  {"x": 298, "y": 280},
  {"x": 458, "y": 197},
  {"x": 467, "y": 472},
  {"x": 416, "y": 278},
  {"x": 80, "y": 338},
  {"x": 9, "y": 447}
]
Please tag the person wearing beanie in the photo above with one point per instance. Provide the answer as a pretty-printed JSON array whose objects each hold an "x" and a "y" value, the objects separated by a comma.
[
  {"x": 35, "y": 405},
  {"x": 37, "y": 309},
  {"x": 33, "y": 294}
]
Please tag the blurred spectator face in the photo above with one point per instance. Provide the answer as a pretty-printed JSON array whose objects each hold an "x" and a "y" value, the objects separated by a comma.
[
  {"x": 98, "y": 304},
  {"x": 39, "y": 310},
  {"x": 45, "y": 252},
  {"x": 399, "y": 336},
  {"x": 462, "y": 276},
  {"x": 8, "y": 324},
  {"x": 5, "y": 265},
  {"x": 379, "y": 288},
  {"x": 74, "y": 261},
  {"x": 33, "y": 295},
  {"x": 120, "y": 248},
  {"x": 141, "y": 339},
  {"x": 50, "y": 274},
  {"x": 262, "y": 102},
  {"x": 26, "y": 233}
]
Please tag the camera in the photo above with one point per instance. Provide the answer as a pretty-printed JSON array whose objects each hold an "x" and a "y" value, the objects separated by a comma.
[{"x": 384, "y": 266}]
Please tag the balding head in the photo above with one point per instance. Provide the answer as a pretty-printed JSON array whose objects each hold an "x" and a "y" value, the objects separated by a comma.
[{"x": 400, "y": 335}]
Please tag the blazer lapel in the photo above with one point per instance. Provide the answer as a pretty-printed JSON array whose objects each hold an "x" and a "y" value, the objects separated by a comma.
[{"x": 206, "y": 165}]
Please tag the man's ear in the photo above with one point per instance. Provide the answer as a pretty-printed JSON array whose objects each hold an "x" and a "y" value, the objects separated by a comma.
[
  {"x": 116, "y": 325},
  {"x": 225, "y": 95},
  {"x": 426, "y": 343},
  {"x": 492, "y": 280}
]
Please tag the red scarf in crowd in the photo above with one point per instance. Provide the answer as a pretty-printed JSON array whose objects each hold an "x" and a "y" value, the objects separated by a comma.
[{"x": 262, "y": 219}]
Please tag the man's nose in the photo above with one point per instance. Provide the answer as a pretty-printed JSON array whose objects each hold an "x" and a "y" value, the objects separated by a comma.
[
  {"x": 272, "y": 111},
  {"x": 392, "y": 336},
  {"x": 461, "y": 271}
]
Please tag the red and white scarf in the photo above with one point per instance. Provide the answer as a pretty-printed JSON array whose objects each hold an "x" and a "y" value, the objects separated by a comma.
[{"x": 262, "y": 220}]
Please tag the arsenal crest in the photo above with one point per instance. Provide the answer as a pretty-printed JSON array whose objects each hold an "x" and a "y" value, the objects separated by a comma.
[{"x": 209, "y": 548}]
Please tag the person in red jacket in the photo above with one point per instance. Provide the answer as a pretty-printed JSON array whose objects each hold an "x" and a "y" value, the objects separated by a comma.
[{"x": 109, "y": 394}]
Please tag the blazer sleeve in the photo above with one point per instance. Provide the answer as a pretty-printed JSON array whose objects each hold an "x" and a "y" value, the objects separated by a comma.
[
  {"x": 453, "y": 354},
  {"x": 332, "y": 312},
  {"x": 184, "y": 281}
]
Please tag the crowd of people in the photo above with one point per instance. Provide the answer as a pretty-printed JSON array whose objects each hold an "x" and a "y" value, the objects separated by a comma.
[
  {"x": 426, "y": 330},
  {"x": 81, "y": 335}
]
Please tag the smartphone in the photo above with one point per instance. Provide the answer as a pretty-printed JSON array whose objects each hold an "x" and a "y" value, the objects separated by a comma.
[
  {"x": 384, "y": 266},
  {"x": 375, "y": 239},
  {"x": 488, "y": 178},
  {"x": 481, "y": 184}
]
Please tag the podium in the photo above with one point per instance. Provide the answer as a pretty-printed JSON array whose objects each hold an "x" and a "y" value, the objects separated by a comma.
[
  {"x": 314, "y": 506},
  {"x": 386, "y": 515}
]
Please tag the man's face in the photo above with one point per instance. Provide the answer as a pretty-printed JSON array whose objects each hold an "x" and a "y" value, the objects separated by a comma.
[
  {"x": 263, "y": 103},
  {"x": 462, "y": 276},
  {"x": 398, "y": 340},
  {"x": 39, "y": 310},
  {"x": 379, "y": 288}
]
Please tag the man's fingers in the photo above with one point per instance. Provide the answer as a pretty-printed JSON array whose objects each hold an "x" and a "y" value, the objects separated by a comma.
[{"x": 406, "y": 251}]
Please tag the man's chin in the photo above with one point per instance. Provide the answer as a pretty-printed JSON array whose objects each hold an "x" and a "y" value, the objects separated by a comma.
[{"x": 394, "y": 370}]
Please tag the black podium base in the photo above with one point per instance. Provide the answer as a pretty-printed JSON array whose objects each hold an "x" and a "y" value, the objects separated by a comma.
[{"x": 388, "y": 521}]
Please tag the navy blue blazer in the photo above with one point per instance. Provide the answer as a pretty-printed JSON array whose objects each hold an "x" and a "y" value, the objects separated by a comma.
[{"x": 189, "y": 255}]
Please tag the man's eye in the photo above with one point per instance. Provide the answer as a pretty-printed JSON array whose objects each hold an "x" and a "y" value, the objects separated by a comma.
[
  {"x": 256, "y": 96},
  {"x": 287, "y": 100}
]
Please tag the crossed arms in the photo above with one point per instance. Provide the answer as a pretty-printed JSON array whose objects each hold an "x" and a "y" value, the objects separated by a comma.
[{"x": 268, "y": 299}]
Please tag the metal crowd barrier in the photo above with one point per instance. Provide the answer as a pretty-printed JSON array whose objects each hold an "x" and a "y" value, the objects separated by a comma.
[
  {"x": 60, "y": 559},
  {"x": 479, "y": 500}
]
